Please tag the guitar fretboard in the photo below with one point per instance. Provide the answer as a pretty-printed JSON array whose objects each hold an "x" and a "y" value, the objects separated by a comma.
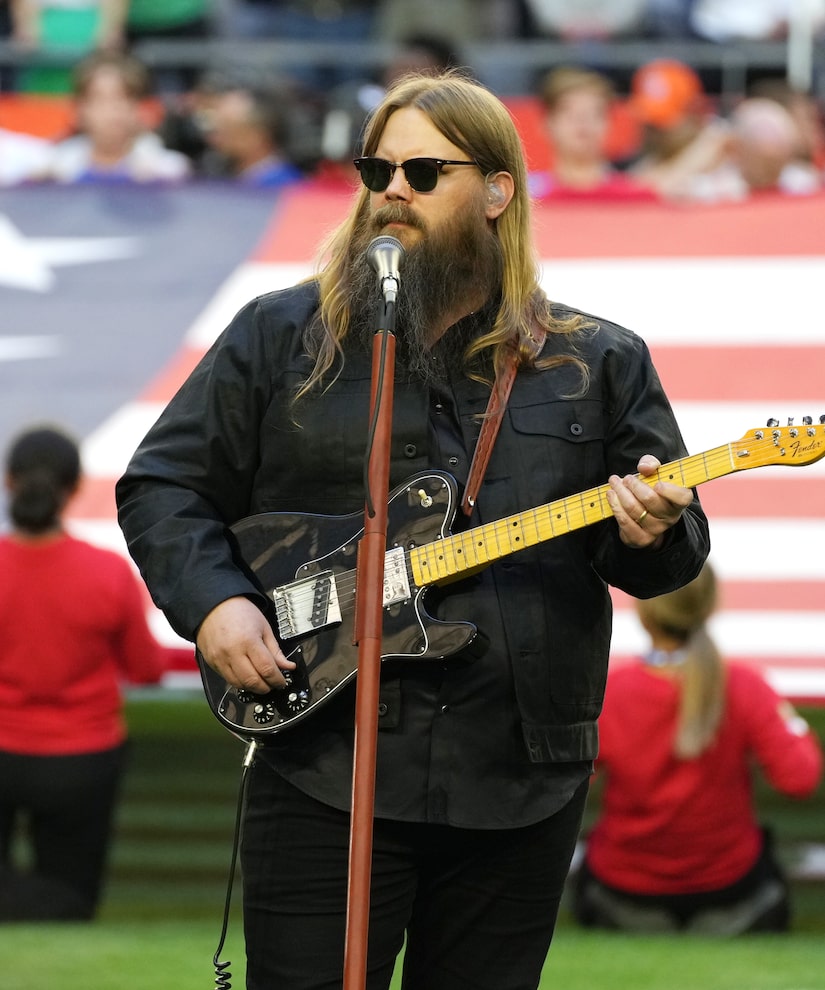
[{"x": 462, "y": 552}]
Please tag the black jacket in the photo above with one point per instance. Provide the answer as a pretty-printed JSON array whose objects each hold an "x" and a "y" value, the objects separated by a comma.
[{"x": 231, "y": 444}]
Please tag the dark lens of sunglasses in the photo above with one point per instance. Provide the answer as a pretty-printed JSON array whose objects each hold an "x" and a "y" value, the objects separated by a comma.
[
  {"x": 375, "y": 174},
  {"x": 421, "y": 174}
]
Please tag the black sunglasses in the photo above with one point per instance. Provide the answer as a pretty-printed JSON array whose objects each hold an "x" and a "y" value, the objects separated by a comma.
[{"x": 421, "y": 173}]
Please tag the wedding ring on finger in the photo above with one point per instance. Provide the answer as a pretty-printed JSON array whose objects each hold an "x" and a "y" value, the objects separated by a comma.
[{"x": 641, "y": 518}]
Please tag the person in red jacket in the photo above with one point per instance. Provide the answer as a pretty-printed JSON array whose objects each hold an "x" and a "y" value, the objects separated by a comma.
[
  {"x": 73, "y": 627},
  {"x": 677, "y": 845}
]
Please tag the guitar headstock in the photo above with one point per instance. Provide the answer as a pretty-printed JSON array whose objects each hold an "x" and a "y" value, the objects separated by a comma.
[{"x": 788, "y": 445}]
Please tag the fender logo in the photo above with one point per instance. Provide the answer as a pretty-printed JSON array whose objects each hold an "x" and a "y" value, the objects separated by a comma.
[{"x": 805, "y": 449}]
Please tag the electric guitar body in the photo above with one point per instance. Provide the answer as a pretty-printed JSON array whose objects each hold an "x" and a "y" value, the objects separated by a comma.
[{"x": 306, "y": 567}]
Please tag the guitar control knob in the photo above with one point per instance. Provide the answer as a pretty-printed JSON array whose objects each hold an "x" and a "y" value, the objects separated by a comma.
[
  {"x": 263, "y": 712},
  {"x": 297, "y": 700},
  {"x": 244, "y": 696}
]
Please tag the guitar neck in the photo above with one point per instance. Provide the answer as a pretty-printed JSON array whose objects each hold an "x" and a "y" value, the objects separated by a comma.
[{"x": 460, "y": 553}]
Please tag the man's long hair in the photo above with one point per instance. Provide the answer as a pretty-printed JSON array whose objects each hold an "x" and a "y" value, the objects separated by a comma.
[{"x": 474, "y": 120}]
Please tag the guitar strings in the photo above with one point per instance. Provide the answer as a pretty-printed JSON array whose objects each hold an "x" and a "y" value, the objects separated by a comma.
[{"x": 456, "y": 553}]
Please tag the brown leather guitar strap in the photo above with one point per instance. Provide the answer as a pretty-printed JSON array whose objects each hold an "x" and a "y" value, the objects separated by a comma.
[{"x": 490, "y": 425}]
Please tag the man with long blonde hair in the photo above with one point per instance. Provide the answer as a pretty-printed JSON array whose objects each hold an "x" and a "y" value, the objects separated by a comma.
[{"x": 489, "y": 697}]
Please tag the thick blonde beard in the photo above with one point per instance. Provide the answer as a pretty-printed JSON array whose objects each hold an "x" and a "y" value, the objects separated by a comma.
[{"x": 446, "y": 272}]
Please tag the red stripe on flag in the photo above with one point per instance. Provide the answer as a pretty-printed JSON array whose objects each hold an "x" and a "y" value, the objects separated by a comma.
[
  {"x": 308, "y": 213},
  {"x": 754, "y": 496},
  {"x": 709, "y": 373},
  {"x": 94, "y": 500},
  {"x": 758, "y": 596},
  {"x": 172, "y": 376},
  {"x": 763, "y": 226}
]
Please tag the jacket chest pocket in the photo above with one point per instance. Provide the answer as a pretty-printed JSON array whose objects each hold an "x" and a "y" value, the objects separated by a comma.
[{"x": 558, "y": 446}]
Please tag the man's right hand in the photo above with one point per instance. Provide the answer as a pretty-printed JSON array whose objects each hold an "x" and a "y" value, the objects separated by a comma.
[{"x": 236, "y": 640}]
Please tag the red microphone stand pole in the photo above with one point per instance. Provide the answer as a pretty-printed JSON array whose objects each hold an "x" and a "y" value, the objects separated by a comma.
[{"x": 369, "y": 607}]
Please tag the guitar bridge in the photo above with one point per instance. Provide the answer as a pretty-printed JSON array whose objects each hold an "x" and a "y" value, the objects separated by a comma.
[{"x": 306, "y": 605}]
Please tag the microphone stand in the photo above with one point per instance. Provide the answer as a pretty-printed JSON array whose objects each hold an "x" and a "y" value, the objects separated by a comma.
[{"x": 369, "y": 608}]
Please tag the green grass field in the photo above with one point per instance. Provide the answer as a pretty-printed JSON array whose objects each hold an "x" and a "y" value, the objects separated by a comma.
[{"x": 161, "y": 917}]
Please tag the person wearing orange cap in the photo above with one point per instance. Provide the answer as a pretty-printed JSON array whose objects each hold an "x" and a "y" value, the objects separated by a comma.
[{"x": 682, "y": 137}]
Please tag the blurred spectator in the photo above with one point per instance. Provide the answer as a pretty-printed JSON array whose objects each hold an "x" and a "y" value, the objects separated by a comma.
[
  {"x": 6, "y": 72},
  {"x": 349, "y": 104},
  {"x": 77, "y": 26},
  {"x": 577, "y": 105},
  {"x": 74, "y": 627},
  {"x": 247, "y": 128},
  {"x": 677, "y": 845},
  {"x": 455, "y": 23},
  {"x": 114, "y": 142},
  {"x": 170, "y": 19},
  {"x": 750, "y": 20},
  {"x": 186, "y": 119},
  {"x": 22, "y": 156},
  {"x": 455, "y": 20},
  {"x": 807, "y": 114},
  {"x": 759, "y": 158},
  {"x": 588, "y": 20},
  {"x": 306, "y": 20},
  {"x": 682, "y": 136}
]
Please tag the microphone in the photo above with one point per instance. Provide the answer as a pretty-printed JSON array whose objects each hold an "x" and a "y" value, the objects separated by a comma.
[{"x": 385, "y": 255}]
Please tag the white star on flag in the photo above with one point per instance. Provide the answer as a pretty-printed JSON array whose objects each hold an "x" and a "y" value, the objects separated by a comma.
[{"x": 27, "y": 263}]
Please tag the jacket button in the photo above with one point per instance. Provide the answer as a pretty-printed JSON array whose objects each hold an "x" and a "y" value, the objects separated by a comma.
[
  {"x": 410, "y": 450},
  {"x": 576, "y": 429}
]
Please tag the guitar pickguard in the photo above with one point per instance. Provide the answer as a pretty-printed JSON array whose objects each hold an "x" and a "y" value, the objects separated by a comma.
[{"x": 305, "y": 564}]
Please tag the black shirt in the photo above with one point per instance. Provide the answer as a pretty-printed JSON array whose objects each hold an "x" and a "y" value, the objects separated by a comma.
[{"x": 501, "y": 733}]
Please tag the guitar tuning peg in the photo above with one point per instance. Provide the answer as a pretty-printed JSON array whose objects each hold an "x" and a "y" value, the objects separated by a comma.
[
  {"x": 772, "y": 422},
  {"x": 790, "y": 420},
  {"x": 807, "y": 420}
]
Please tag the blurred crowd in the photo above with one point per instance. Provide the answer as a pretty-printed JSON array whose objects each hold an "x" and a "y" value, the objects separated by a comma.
[{"x": 658, "y": 131}]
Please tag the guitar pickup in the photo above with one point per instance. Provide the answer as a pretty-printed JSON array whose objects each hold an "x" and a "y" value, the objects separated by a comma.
[
  {"x": 396, "y": 580},
  {"x": 306, "y": 605}
]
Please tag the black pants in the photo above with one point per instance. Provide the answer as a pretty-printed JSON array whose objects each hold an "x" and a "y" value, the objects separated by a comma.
[
  {"x": 477, "y": 908},
  {"x": 64, "y": 806},
  {"x": 757, "y": 902}
]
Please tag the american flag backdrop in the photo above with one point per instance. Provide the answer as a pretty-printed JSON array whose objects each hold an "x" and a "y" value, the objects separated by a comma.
[{"x": 729, "y": 298}]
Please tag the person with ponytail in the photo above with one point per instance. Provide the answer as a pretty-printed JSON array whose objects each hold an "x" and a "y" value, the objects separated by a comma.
[
  {"x": 73, "y": 627},
  {"x": 677, "y": 845}
]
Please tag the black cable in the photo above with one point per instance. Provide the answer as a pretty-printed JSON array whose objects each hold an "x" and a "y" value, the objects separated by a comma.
[{"x": 222, "y": 975}]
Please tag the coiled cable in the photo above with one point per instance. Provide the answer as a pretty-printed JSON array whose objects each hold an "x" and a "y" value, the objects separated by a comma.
[{"x": 223, "y": 977}]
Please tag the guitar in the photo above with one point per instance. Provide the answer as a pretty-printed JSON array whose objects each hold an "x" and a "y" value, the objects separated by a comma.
[{"x": 306, "y": 566}]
